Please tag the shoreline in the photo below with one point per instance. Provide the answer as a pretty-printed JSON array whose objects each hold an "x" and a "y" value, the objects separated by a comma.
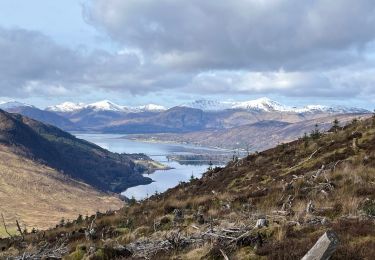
[{"x": 150, "y": 140}]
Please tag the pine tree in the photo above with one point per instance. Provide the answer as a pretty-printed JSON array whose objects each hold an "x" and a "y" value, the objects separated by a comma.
[
  {"x": 335, "y": 125},
  {"x": 210, "y": 166},
  {"x": 80, "y": 219},
  {"x": 315, "y": 134}
]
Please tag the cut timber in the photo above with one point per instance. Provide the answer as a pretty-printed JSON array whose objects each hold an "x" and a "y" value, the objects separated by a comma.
[{"x": 324, "y": 247}]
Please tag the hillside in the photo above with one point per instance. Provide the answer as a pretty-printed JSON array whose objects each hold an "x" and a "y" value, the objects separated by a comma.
[
  {"x": 257, "y": 136},
  {"x": 269, "y": 205},
  {"x": 76, "y": 158},
  {"x": 42, "y": 116},
  {"x": 39, "y": 196}
]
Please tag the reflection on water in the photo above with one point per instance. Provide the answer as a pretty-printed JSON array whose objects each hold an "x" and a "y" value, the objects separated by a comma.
[{"x": 163, "y": 180}]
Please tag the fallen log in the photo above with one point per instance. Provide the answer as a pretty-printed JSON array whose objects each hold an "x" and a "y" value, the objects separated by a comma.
[{"x": 324, "y": 247}]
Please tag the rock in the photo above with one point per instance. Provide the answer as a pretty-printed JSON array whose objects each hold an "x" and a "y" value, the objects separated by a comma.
[
  {"x": 324, "y": 247},
  {"x": 262, "y": 222}
]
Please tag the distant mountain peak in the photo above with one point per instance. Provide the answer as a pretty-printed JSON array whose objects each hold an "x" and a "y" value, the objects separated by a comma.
[
  {"x": 12, "y": 104},
  {"x": 263, "y": 104},
  {"x": 66, "y": 107},
  {"x": 105, "y": 105}
]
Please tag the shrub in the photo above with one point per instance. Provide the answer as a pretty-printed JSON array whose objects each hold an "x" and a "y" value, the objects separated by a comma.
[{"x": 369, "y": 208}]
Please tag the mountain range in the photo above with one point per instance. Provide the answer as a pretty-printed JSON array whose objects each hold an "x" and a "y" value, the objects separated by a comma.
[{"x": 192, "y": 121}]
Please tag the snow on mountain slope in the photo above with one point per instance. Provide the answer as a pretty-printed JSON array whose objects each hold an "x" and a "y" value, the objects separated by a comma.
[
  {"x": 104, "y": 105},
  {"x": 66, "y": 107},
  {"x": 261, "y": 104},
  {"x": 210, "y": 105},
  {"x": 328, "y": 109},
  {"x": 268, "y": 105}
]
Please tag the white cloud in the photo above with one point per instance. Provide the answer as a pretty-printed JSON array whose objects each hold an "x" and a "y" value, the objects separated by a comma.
[
  {"x": 239, "y": 34},
  {"x": 241, "y": 47}
]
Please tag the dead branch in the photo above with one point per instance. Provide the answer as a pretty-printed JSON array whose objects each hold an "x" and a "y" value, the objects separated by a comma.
[
  {"x": 310, "y": 157},
  {"x": 224, "y": 255},
  {"x": 5, "y": 226},
  {"x": 20, "y": 230}
]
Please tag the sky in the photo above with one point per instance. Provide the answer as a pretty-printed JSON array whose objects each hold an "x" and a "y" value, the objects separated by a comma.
[{"x": 174, "y": 51}]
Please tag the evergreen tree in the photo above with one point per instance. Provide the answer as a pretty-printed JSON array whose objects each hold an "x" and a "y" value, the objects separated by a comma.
[
  {"x": 335, "y": 125},
  {"x": 210, "y": 166},
  {"x": 79, "y": 219},
  {"x": 315, "y": 134}
]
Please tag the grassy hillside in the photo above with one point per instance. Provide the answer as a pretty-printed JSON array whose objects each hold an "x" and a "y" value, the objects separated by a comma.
[
  {"x": 302, "y": 189},
  {"x": 76, "y": 158},
  {"x": 39, "y": 196}
]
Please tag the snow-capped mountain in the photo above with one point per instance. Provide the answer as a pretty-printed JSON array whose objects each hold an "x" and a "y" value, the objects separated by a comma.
[
  {"x": 12, "y": 104},
  {"x": 104, "y": 105},
  {"x": 268, "y": 105},
  {"x": 262, "y": 104},
  {"x": 66, "y": 107}
]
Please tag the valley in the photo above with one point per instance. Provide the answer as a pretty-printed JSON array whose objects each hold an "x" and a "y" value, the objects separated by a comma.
[{"x": 163, "y": 179}]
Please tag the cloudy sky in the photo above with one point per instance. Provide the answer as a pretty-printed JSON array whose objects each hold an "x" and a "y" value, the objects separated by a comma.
[{"x": 173, "y": 51}]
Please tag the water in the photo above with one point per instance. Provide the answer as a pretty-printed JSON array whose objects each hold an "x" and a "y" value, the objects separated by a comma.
[{"x": 163, "y": 180}]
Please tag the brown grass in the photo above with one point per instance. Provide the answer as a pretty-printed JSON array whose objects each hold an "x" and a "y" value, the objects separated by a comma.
[{"x": 40, "y": 197}]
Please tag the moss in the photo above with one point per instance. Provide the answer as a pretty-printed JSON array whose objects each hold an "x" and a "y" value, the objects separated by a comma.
[{"x": 369, "y": 208}]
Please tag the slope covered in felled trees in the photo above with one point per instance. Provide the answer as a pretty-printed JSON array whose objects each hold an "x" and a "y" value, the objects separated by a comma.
[{"x": 269, "y": 205}]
